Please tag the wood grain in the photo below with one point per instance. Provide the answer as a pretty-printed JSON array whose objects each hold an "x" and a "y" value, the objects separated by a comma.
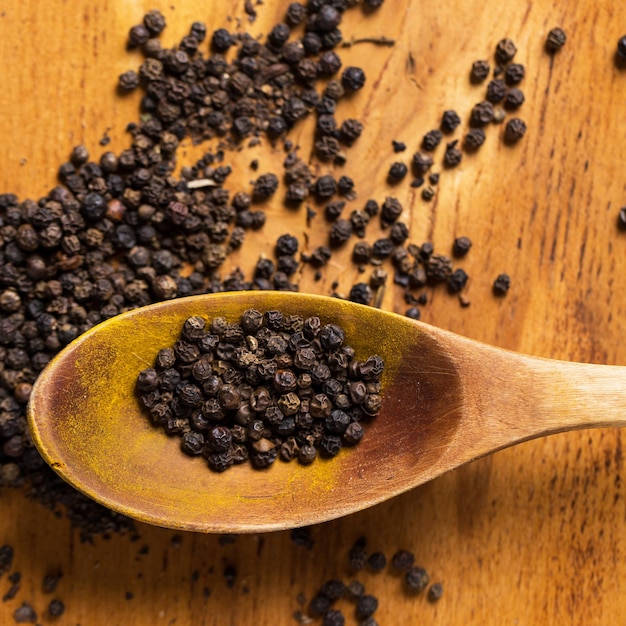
[{"x": 531, "y": 535}]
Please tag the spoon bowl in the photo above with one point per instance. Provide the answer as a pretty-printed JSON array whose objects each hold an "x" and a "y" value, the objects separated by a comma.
[{"x": 446, "y": 400}]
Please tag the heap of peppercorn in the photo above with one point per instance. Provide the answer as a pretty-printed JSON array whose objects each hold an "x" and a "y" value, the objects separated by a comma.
[
  {"x": 272, "y": 385},
  {"x": 120, "y": 229}
]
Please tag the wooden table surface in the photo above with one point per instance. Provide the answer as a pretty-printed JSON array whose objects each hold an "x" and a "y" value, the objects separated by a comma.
[{"x": 531, "y": 535}]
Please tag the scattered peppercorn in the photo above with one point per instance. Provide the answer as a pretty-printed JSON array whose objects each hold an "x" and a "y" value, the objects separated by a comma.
[
  {"x": 357, "y": 555},
  {"x": 496, "y": 90},
  {"x": 128, "y": 80},
  {"x": 428, "y": 193},
  {"x": 474, "y": 139},
  {"x": 25, "y": 613},
  {"x": 514, "y": 130},
  {"x": 505, "y": 51},
  {"x": 377, "y": 561},
  {"x": 514, "y": 73},
  {"x": 353, "y": 78},
  {"x": 334, "y": 618},
  {"x": 457, "y": 280},
  {"x": 402, "y": 560},
  {"x": 555, "y": 40},
  {"x": 413, "y": 312},
  {"x": 361, "y": 293},
  {"x": 621, "y": 47},
  {"x": 56, "y": 608},
  {"x": 502, "y": 285},
  {"x": 417, "y": 579},
  {"x": 452, "y": 156},
  {"x": 398, "y": 146},
  {"x": 265, "y": 186},
  {"x": 431, "y": 140},
  {"x": 366, "y": 606},
  {"x": 397, "y": 172},
  {"x": 435, "y": 591},
  {"x": 480, "y": 71},
  {"x": 461, "y": 246},
  {"x": 514, "y": 99},
  {"x": 421, "y": 163},
  {"x": 6, "y": 558},
  {"x": 482, "y": 113},
  {"x": 450, "y": 121}
]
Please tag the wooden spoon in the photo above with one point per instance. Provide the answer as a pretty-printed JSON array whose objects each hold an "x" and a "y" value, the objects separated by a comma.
[{"x": 446, "y": 401}]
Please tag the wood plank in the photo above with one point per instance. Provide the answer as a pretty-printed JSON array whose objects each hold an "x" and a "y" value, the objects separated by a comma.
[{"x": 530, "y": 535}]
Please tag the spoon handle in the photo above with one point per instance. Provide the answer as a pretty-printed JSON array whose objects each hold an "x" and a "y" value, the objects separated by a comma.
[{"x": 509, "y": 397}]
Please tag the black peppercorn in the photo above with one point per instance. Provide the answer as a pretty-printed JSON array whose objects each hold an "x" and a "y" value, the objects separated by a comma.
[
  {"x": 397, "y": 172},
  {"x": 265, "y": 186},
  {"x": 138, "y": 35},
  {"x": 221, "y": 40},
  {"x": 286, "y": 244},
  {"x": 482, "y": 113},
  {"x": 435, "y": 591},
  {"x": 312, "y": 43},
  {"x": 413, "y": 312},
  {"x": 457, "y": 280},
  {"x": 326, "y": 125},
  {"x": 480, "y": 71},
  {"x": 421, "y": 163},
  {"x": 514, "y": 73},
  {"x": 56, "y": 608},
  {"x": 513, "y": 99},
  {"x": 357, "y": 555},
  {"x": 296, "y": 13},
  {"x": 452, "y": 156},
  {"x": 496, "y": 90},
  {"x": 154, "y": 21},
  {"x": 325, "y": 187},
  {"x": 505, "y": 51},
  {"x": 333, "y": 589},
  {"x": 353, "y": 78},
  {"x": 329, "y": 63},
  {"x": 128, "y": 80},
  {"x": 340, "y": 232},
  {"x": 350, "y": 131},
  {"x": 366, "y": 606},
  {"x": 279, "y": 35},
  {"x": 307, "y": 454},
  {"x": 327, "y": 19},
  {"x": 345, "y": 186},
  {"x": 399, "y": 233},
  {"x": 361, "y": 293},
  {"x": 621, "y": 218},
  {"x": 353, "y": 434},
  {"x": 461, "y": 246},
  {"x": 501, "y": 285},
  {"x": 450, "y": 121},
  {"x": 377, "y": 561},
  {"x": 333, "y": 617},
  {"x": 431, "y": 140},
  {"x": 514, "y": 130},
  {"x": 276, "y": 126},
  {"x": 402, "y": 560},
  {"x": 555, "y": 40},
  {"x": 417, "y": 579},
  {"x": 474, "y": 139}
]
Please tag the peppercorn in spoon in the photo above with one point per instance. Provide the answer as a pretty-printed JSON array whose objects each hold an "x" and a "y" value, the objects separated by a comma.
[{"x": 446, "y": 401}]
